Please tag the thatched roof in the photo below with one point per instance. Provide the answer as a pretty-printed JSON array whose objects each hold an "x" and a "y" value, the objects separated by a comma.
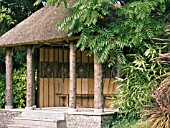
[{"x": 39, "y": 28}]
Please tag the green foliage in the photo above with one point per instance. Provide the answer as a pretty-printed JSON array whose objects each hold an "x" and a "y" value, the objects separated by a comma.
[
  {"x": 85, "y": 13},
  {"x": 14, "y": 11},
  {"x": 123, "y": 123},
  {"x": 19, "y": 59},
  {"x": 51, "y": 2},
  {"x": 137, "y": 26},
  {"x": 140, "y": 124},
  {"x": 139, "y": 80},
  {"x": 19, "y": 87},
  {"x": 5, "y": 19},
  {"x": 2, "y": 90}
]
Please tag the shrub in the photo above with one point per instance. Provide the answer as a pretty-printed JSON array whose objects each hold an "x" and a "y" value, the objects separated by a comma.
[
  {"x": 2, "y": 90},
  {"x": 137, "y": 86},
  {"x": 123, "y": 123},
  {"x": 19, "y": 88}
]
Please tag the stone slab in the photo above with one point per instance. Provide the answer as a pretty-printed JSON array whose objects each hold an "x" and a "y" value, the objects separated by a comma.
[
  {"x": 89, "y": 120},
  {"x": 7, "y": 116}
]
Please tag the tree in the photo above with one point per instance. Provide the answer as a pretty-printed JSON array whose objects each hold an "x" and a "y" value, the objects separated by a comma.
[
  {"x": 5, "y": 19},
  {"x": 15, "y": 11}
]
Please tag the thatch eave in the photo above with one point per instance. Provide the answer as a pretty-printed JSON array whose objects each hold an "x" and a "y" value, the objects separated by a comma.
[{"x": 41, "y": 42}]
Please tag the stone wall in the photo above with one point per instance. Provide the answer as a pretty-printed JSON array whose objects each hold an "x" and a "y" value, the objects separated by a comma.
[
  {"x": 7, "y": 116},
  {"x": 89, "y": 120}
]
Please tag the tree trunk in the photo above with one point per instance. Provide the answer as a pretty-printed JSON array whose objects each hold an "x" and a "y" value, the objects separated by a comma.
[
  {"x": 9, "y": 54},
  {"x": 98, "y": 86},
  {"x": 72, "y": 96},
  {"x": 33, "y": 81},
  {"x": 30, "y": 76}
]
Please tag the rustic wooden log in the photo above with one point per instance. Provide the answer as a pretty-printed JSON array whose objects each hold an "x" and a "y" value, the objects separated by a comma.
[
  {"x": 29, "y": 93},
  {"x": 9, "y": 54},
  {"x": 72, "y": 96},
  {"x": 33, "y": 73},
  {"x": 98, "y": 86}
]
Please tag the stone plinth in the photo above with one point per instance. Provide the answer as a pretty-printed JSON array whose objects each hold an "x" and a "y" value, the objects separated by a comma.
[
  {"x": 89, "y": 119},
  {"x": 7, "y": 116}
]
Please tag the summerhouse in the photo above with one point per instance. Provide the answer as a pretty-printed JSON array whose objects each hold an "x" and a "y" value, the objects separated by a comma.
[{"x": 67, "y": 77}]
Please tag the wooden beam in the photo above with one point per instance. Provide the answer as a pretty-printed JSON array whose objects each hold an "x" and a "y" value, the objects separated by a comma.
[
  {"x": 98, "y": 86},
  {"x": 9, "y": 54},
  {"x": 72, "y": 96}
]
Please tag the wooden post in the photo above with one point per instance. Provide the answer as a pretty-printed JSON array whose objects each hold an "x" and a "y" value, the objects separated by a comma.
[
  {"x": 72, "y": 96},
  {"x": 9, "y": 54},
  {"x": 29, "y": 93},
  {"x": 98, "y": 87},
  {"x": 33, "y": 81}
]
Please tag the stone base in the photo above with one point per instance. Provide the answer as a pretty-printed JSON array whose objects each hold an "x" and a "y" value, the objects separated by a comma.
[
  {"x": 7, "y": 116},
  {"x": 8, "y": 107},
  {"x": 89, "y": 120},
  {"x": 71, "y": 110},
  {"x": 98, "y": 110},
  {"x": 28, "y": 108}
]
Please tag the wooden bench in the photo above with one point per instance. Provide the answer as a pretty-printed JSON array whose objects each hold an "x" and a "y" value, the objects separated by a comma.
[{"x": 65, "y": 97}]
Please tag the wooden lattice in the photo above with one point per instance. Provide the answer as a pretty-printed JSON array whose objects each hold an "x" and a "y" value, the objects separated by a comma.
[{"x": 83, "y": 70}]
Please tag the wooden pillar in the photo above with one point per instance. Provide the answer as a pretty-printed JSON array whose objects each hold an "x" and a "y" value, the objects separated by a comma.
[
  {"x": 33, "y": 81},
  {"x": 9, "y": 54},
  {"x": 29, "y": 93},
  {"x": 72, "y": 96},
  {"x": 98, "y": 87}
]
